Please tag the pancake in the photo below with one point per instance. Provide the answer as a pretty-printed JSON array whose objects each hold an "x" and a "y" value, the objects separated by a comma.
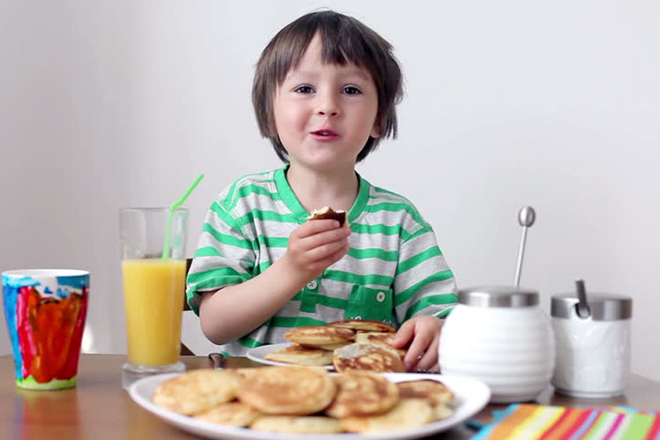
[
  {"x": 197, "y": 391},
  {"x": 379, "y": 338},
  {"x": 288, "y": 390},
  {"x": 299, "y": 355},
  {"x": 298, "y": 425},
  {"x": 232, "y": 414},
  {"x": 319, "y": 335},
  {"x": 245, "y": 372},
  {"x": 432, "y": 390},
  {"x": 362, "y": 393},
  {"x": 327, "y": 213},
  {"x": 438, "y": 395},
  {"x": 333, "y": 347},
  {"x": 370, "y": 357},
  {"x": 406, "y": 414},
  {"x": 363, "y": 325},
  {"x": 442, "y": 412}
]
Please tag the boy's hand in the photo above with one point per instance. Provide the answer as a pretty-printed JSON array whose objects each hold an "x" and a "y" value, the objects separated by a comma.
[
  {"x": 315, "y": 245},
  {"x": 424, "y": 332}
]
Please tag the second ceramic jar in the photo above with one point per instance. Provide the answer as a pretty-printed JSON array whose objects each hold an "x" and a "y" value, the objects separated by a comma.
[{"x": 501, "y": 336}]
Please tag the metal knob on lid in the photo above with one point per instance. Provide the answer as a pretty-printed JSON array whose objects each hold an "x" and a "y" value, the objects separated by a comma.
[
  {"x": 498, "y": 296},
  {"x": 602, "y": 307},
  {"x": 526, "y": 218}
]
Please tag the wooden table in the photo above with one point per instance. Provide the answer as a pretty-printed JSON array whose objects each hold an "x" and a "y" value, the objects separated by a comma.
[{"x": 99, "y": 408}]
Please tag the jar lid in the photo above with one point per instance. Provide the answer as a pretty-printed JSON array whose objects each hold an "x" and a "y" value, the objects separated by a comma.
[
  {"x": 498, "y": 296},
  {"x": 602, "y": 306}
]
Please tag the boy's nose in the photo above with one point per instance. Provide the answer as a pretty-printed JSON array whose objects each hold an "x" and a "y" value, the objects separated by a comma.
[
  {"x": 328, "y": 113},
  {"x": 327, "y": 106}
]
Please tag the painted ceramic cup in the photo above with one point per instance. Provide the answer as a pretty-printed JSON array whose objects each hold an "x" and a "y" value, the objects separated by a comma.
[{"x": 45, "y": 311}]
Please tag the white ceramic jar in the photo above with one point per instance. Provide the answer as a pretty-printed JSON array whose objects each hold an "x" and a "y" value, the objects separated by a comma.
[
  {"x": 593, "y": 350},
  {"x": 501, "y": 336}
]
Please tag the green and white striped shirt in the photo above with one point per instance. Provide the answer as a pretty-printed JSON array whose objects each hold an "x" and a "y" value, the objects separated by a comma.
[{"x": 393, "y": 271}]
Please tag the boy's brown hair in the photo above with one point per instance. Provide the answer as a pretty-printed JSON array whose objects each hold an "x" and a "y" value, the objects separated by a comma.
[{"x": 344, "y": 40}]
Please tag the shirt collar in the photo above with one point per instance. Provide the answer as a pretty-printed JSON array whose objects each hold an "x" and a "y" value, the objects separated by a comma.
[{"x": 291, "y": 201}]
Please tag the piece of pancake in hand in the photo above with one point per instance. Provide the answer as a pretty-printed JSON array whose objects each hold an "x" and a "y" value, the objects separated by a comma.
[
  {"x": 298, "y": 424},
  {"x": 362, "y": 393},
  {"x": 327, "y": 213},
  {"x": 319, "y": 335},
  {"x": 370, "y": 357},
  {"x": 406, "y": 414},
  {"x": 232, "y": 413},
  {"x": 379, "y": 338},
  {"x": 197, "y": 391},
  {"x": 363, "y": 325},
  {"x": 299, "y": 355},
  {"x": 436, "y": 393},
  {"x": 288, "y": 390}
]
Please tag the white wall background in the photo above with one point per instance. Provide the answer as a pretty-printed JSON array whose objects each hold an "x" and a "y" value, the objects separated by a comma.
[{"x": 553, "y": 104}]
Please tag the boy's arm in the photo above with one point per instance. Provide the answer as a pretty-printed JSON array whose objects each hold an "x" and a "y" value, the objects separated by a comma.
[
  {"x": 234, "y": 311},
  {"x": 429, "y": 290},
  {"x": 237, "y": 310},
  {"x": 424, "y": 283}
]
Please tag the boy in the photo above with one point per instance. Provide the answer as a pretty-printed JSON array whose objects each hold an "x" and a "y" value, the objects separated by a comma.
[{"x": 324, "y": 93}]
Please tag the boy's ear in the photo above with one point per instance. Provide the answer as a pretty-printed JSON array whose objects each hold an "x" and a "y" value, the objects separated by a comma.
[{"x": 375, "y": 130}]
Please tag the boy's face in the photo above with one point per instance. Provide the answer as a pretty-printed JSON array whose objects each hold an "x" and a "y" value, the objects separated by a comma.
[{"x": 325, "y": 113}]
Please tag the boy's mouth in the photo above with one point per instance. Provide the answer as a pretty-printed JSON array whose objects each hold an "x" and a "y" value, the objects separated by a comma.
[{"x": 324, "y": 134}]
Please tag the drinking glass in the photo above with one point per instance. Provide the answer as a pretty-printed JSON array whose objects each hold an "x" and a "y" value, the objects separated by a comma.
[{"x": 154, "y": 271}]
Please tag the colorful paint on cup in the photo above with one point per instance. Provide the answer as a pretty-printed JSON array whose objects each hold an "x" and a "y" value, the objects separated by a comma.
[{"x": 45, "y": 311}]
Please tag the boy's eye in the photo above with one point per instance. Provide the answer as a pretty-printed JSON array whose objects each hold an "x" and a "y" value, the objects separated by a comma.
[
  {"x": 351, "y": 90},
  {"x": 304, "y": 89}
]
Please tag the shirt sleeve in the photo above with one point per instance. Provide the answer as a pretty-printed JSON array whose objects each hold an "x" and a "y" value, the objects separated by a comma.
[
  {"x": 225, "y": 256},
  {"x": 423, "y": 284}
]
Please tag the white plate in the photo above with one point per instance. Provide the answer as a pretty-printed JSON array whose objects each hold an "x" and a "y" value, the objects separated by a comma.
[
  {"x": 470, "y": 396},
  {"x": 257, "y": 354}
]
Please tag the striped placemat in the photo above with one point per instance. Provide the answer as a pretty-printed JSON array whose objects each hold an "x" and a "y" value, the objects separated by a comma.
[{"x": 542, "y": 422}]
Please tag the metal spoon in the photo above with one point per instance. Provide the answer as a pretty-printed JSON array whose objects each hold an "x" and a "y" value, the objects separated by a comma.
[
  {"x": 526, "y": 218},
  {"x": 218, "y": 360},
  {"x": 582, "y": 309}
]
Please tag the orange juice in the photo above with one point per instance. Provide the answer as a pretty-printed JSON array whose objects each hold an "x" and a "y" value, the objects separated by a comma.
[{"x": 153, "y": 295}]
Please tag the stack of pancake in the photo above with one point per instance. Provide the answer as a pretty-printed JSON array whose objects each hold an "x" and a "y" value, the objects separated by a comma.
[
  {"x": 347, "y": 345},
  {"x": 305, "y": 400}
]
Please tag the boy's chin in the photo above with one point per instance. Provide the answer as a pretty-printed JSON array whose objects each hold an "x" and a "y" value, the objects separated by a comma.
[
  {"x": 324, "y": 163},
  {"x": 324, "y": 167}
]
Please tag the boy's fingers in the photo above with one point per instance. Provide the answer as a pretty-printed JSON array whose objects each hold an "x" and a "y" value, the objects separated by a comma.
[
  {"x": 429, "y": 360},
  {"x": 316, "y": 226},
  {"x": 425, "y": 363},
  {"x": 324, "y": 237},
  {"x": 411, "y": 359},
  {"x": 336, "y": 256},
  {"x": 417, "y": 351},
  {"x": 404, "y": 335},
  {"x": 328, "y": 251}
]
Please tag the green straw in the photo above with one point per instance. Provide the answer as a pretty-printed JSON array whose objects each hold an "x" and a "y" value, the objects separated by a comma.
[{"x": 166, "y": 246}]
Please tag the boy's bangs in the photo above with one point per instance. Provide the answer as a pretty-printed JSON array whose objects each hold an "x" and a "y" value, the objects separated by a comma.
[
  {"x": 342, "y": 46},
  {"x": 338, "y": 46}
]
